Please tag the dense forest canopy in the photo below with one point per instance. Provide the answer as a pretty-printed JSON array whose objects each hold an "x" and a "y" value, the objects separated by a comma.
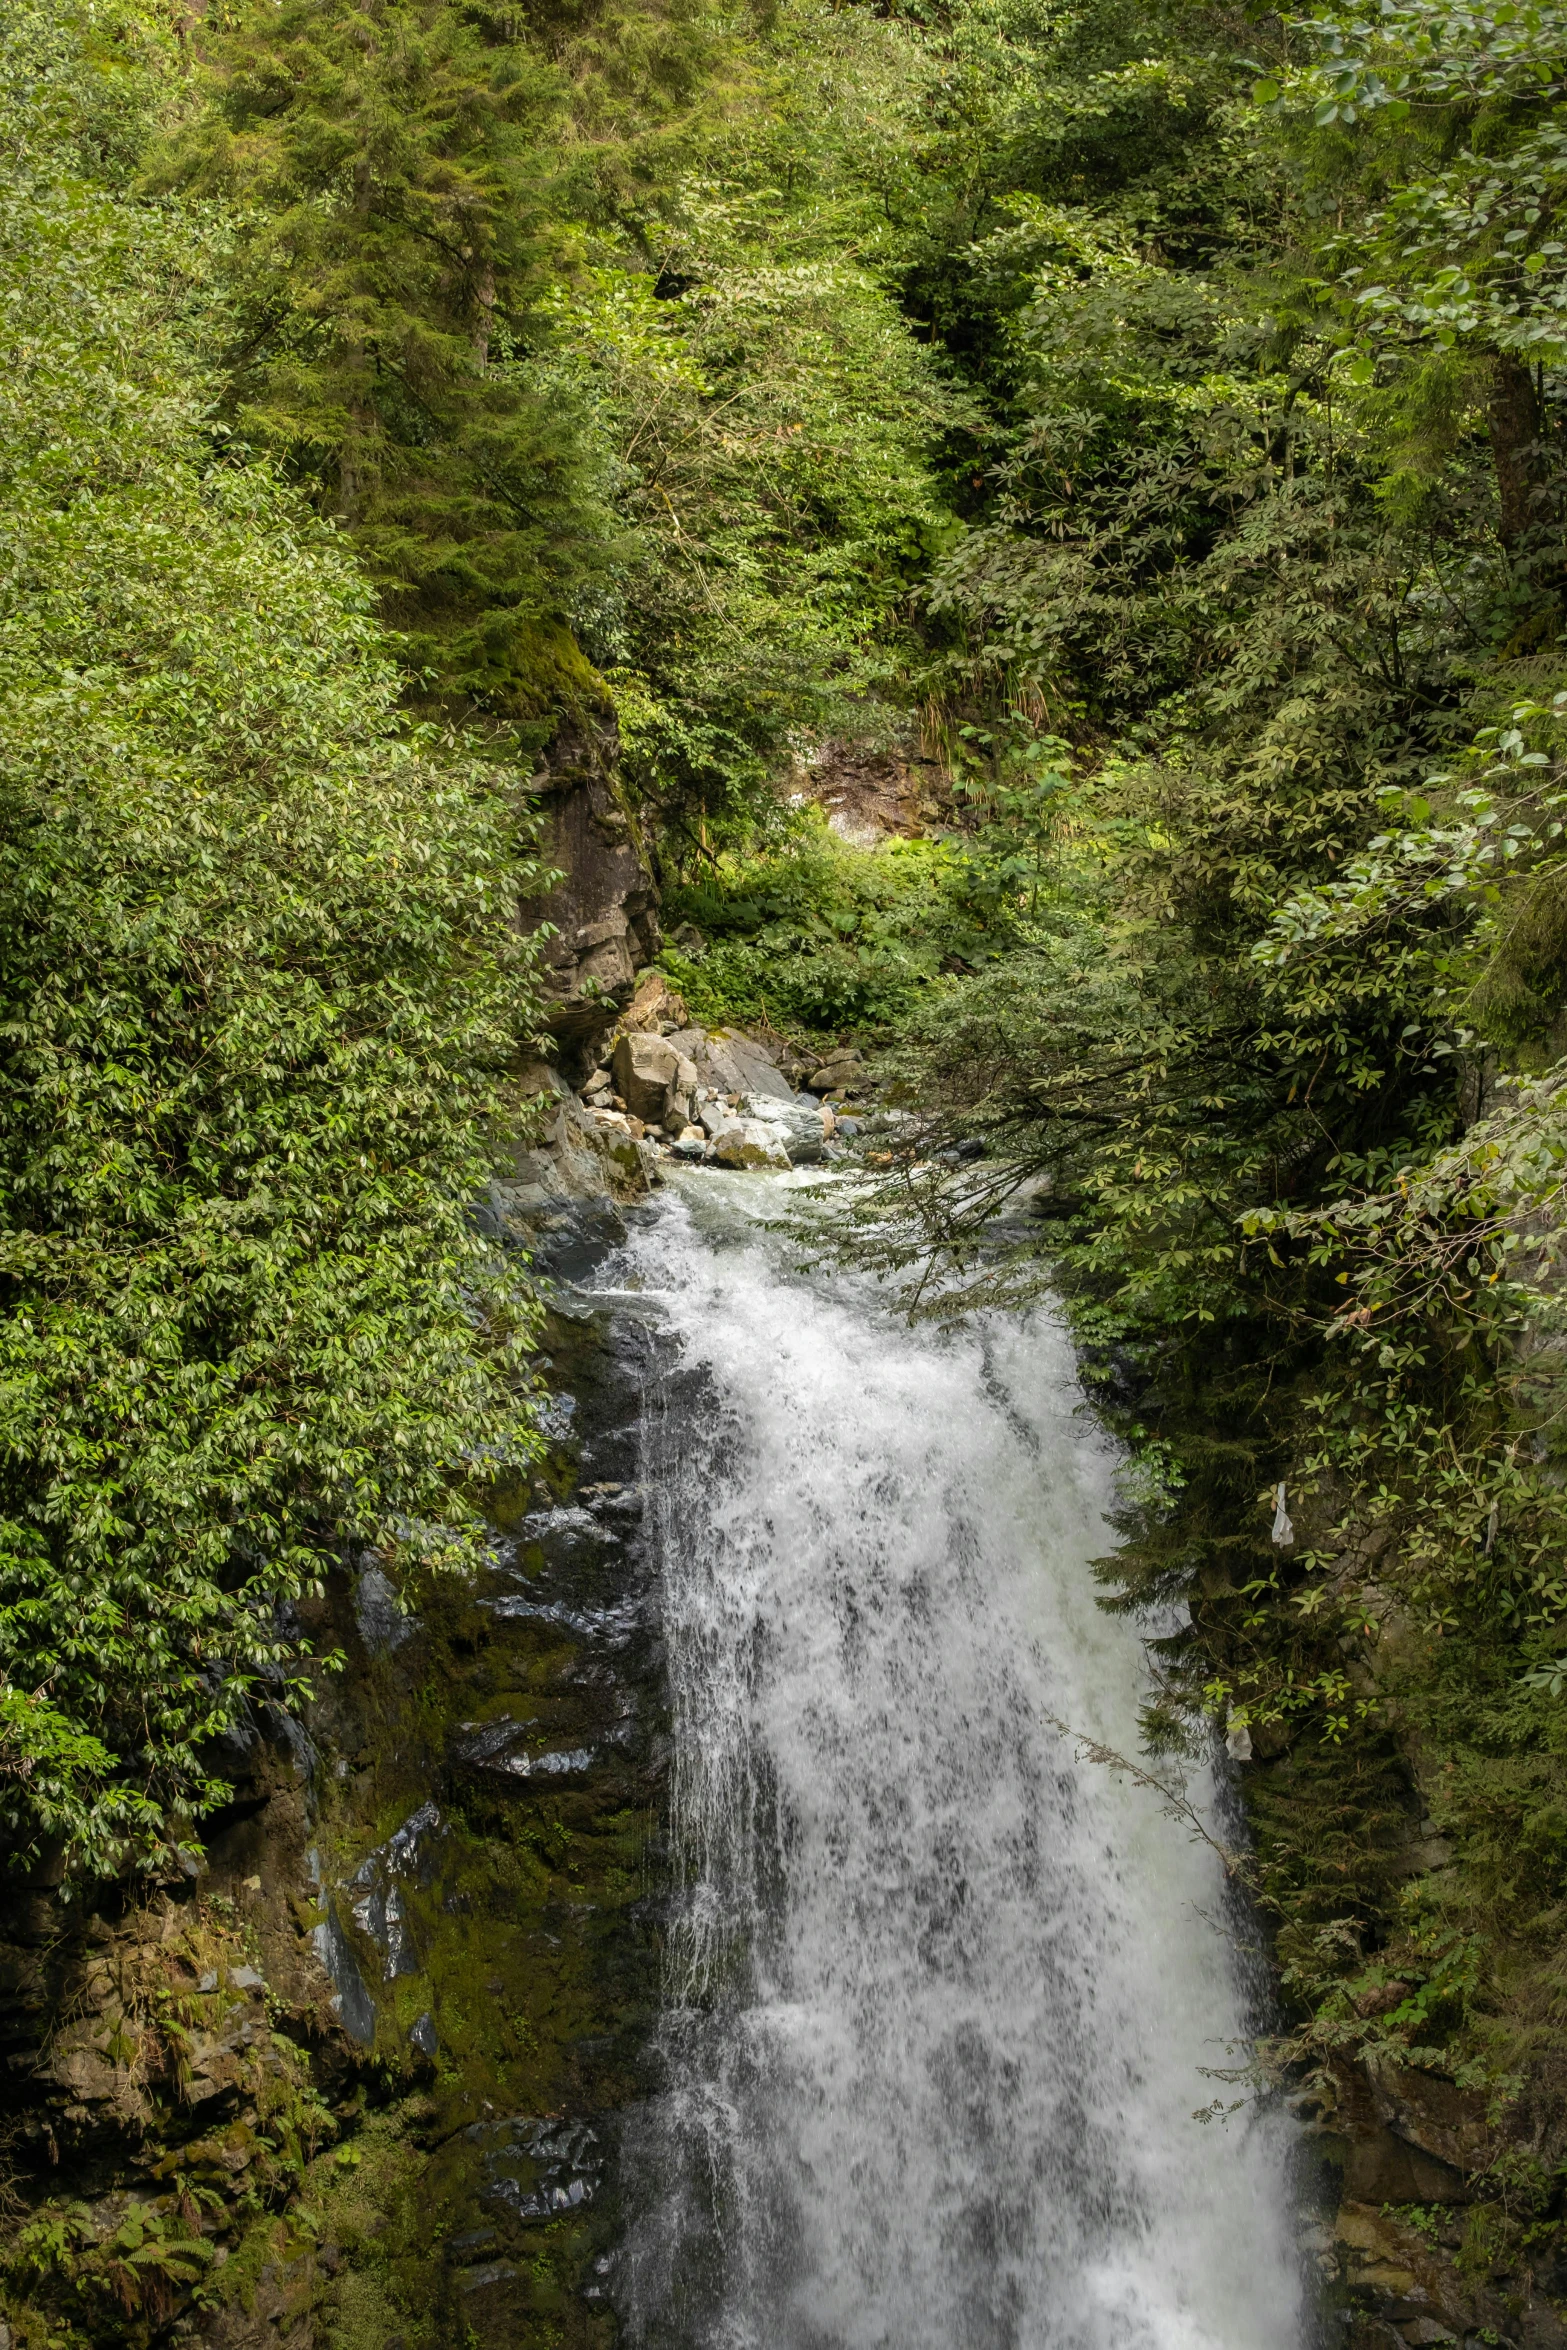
[{"x": 1154, "y": 413}]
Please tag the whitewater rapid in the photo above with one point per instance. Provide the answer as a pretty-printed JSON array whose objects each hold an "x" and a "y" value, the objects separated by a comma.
[{"x": 941, "y": 2000}]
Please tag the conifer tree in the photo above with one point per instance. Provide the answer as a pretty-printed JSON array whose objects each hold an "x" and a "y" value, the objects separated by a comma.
[{"x": 389, "y": 346}]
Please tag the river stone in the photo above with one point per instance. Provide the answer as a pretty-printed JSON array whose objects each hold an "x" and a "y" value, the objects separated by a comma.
[
  {"x": 800, "y": 1125},
  {"x": 739, "y": 1139},
  {"x": 645, "y": 1067},
  {"x": 749, "y": 1142},
  {"x": 839, "y": 1072}
]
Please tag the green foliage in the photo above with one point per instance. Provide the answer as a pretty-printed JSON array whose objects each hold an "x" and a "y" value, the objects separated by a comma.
[
  {"x": 574, "y": 330},
  {"x": 816, "y": 938},
  {"x": 384, "y": 339},
  {"x": 1460, "y": 130},
  {"x": 259, "y": 992},
  {"x": 773, "y": 422},
  {"x": 1269, "y": 527}
]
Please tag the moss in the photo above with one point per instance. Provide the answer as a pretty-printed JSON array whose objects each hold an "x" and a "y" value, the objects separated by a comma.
[
  {"x": 528, "y": 671},
  {"x": 347, "y": 2182}
]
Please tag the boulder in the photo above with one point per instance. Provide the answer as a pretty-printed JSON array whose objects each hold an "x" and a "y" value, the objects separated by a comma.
[
  {"x": 655, "y": 1009},
  {"x": 646, "y": 1068},
  {"x": 732, "y": 1063},
  {"x": 839, "y": 1073},
  {"x": 749, "y": 1142},
  {"x": 802, "y": 1125}
]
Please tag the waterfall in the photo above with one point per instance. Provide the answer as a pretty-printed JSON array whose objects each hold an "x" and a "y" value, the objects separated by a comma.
[{"x": 942, "y": 2000}]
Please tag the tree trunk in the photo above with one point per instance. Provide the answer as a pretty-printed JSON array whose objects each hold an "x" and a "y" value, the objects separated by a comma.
[
  {"x": 484, "y": 294},
  {"x": 1515, "y": 436}
]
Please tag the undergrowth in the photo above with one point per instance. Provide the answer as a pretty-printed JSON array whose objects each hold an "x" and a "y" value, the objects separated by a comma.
[{"x": 818, "y": 939}]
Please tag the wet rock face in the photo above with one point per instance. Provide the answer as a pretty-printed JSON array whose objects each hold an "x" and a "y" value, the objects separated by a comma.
[
  {"x": 1426, "y": 2241},
  {"x": 1404, "y": 2285},
  {"x": 413, "y": 1990},
  {"x": 537, "y": 2168}
]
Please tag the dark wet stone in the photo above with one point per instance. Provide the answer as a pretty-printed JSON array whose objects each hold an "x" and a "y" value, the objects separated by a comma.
[
  {"x": 494, "y": 2272},
  {"x": 571, "y": 1245},
  {"x": 384, "y": 1623},
  {"x": 400, "y": 1855},
  {"x": 495, "y": 1748},
  {"x": 539, "y": 2169},
  {"x": 559, "y": 1763},
  {"x": 613, "y": 1626},
  {"x": 352, "y": 2001},
  {"x": 555, "y": 1416},
  {"x": 383, "y": 1915},
  {"x": 423, "y": 2035},
  {"x": 379, "y": 1907},
  {"x": 462, "y": 2248}
]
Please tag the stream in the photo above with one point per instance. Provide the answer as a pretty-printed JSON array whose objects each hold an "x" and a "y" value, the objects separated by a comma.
[{"x": 941, "y": 2001}]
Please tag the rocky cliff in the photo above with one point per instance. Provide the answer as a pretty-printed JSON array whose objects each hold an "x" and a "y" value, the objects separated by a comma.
[
  {"x": 356, "y": 2081},
  {"x": 604, "y": 910}
]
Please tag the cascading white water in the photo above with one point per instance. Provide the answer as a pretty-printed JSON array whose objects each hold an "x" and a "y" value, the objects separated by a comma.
[{"x": 940, "y": 1996}]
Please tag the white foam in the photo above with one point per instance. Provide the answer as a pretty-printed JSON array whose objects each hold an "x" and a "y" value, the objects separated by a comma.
[{"x": 940, "y": 1996}]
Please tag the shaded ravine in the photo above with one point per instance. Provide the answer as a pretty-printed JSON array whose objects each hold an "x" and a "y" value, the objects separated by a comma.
[{"x": 940, "y": 1999}]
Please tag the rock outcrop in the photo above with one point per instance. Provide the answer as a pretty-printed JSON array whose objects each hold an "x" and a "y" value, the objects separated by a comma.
[
  {"x": 572, "y": 1154},
  {"x": 674, "y": 1090},
  {"x": 604, "y": 910},
  {"x": 1427, "y": 2234},
  {"x": 339, "y": 2084}
]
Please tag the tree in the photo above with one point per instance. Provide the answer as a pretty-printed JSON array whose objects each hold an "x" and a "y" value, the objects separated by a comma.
[
  {"x": 1450, "y": 125},
  {"x": 388, "y": 346},
  {"x": 260, "y": 994}
]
